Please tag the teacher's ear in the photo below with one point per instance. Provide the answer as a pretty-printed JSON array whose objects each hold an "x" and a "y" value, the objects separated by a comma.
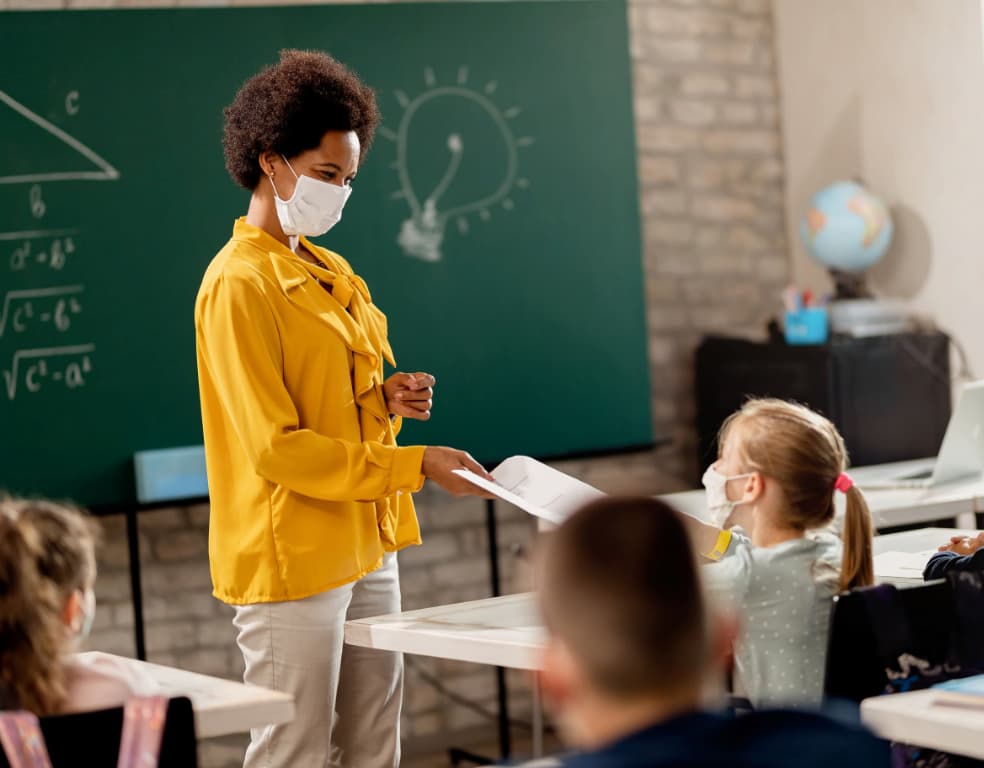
[{"x": 268, "y": 162}]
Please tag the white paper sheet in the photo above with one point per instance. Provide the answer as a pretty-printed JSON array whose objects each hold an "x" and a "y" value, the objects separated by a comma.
[
  {"x": 901, "y": 566},
  {"x": 536, "y": 488}
]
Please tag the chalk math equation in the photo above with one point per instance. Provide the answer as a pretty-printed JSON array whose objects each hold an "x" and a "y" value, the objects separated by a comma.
[{"x": 40, "y": 323}]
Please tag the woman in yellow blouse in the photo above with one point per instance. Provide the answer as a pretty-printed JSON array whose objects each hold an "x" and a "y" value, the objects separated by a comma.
[{"x": 310, "y": 493}]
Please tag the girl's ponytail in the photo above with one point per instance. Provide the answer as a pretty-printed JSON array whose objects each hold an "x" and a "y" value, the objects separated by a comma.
[
  {"x": 32, "y": 635},
  {"x": 857, "y": 567}
]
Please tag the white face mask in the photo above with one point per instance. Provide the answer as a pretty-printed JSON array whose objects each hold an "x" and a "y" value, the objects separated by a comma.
[
  {"x": 314, "y": 208},
  {"x": 718, "y": 503},
  {"x": 87, "y": 614}
]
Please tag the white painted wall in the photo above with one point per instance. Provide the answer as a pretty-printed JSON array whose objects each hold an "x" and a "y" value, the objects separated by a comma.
[{"x": 893, "y": 91}]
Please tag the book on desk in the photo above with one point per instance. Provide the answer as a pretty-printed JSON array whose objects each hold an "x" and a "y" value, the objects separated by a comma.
[
  {"x": 962, "y": 692},
  {"x": 901, "y": 568}
]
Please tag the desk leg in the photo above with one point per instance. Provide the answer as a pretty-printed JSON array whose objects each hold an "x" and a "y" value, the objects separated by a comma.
[
  {"x": 456, "y": 755},
  {"x": 505, "y": 741},
  {"x": 537, "y": 719},
  {"x": 136, "y": 590}
]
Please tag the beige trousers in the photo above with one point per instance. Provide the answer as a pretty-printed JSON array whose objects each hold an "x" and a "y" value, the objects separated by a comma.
[{"x": 347, "y": 699}]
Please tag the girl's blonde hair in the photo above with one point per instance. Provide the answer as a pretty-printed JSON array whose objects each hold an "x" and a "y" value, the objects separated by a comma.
[
  {"x": 804, "y": 453},
  {"x": 46, "y": 553}
]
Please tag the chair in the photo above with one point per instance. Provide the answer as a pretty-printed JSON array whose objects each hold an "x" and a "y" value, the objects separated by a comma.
[
  {"x": 92, "y": 739},
  {"x": 885, "y": 639}
]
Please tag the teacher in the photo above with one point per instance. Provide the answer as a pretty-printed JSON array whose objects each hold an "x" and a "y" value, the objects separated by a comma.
[{"x": 310, "y": 493}]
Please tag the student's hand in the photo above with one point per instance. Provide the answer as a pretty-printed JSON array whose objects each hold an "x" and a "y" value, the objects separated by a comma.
[
  {"x": 410, "y": 395},
  {"x": 964, "y": 545},
  {"x": 438, "y": 465}
]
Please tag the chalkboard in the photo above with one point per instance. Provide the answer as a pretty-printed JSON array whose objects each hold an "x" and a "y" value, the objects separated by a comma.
[{"x": 495, "y": 221}]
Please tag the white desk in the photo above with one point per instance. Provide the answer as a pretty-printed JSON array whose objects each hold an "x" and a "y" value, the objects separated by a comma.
[
  {"x": 507, "y": 632},
  {"x": 221, "y": 706},
  {"x": 892, "y": 507},
  {"x": 502, "y": 631},
  {"x": 960, "y": 499},
  {"x": 918, "y": 540},
  {"x": 921, "y": 544},
  {"x": 914, "y": 718}
]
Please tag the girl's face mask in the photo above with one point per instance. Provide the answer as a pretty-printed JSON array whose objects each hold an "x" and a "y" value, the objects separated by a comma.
[
  {"x": 718, "y": 503},
  {"x": 82, "y": 624}
]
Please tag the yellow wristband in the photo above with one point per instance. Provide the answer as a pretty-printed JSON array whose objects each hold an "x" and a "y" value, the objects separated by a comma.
[{"x": 720, "y": 546}]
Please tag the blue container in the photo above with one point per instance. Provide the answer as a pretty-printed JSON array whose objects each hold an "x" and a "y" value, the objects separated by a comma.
[
  {"x": 807, "y": 326},
  {"x": 170, "y": 474}
]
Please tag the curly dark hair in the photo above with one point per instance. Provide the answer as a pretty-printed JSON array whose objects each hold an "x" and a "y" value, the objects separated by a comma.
[{"x": 289, "y": 107}]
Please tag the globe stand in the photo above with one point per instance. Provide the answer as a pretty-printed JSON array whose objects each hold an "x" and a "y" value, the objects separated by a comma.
[{"x": 849, "y": 285}]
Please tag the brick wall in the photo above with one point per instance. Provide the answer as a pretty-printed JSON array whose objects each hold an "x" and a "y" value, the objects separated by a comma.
[{"x": 711, "y": 177}]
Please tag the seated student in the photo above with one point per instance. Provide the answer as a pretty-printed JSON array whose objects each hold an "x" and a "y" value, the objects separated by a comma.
[
  {"x": 780, "y": 466},
  {"x": 963, "y": 553},
  {"x": 47, "y": 573},
  {"x": 634, "y": 656}
]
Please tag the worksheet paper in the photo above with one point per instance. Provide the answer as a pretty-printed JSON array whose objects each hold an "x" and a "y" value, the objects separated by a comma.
[
  {"x": 901, "y": 566},
  {"x": 536, "y": 488}
]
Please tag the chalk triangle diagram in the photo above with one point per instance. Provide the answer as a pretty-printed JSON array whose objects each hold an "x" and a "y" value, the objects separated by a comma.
[{"x": 36, "y": 150}]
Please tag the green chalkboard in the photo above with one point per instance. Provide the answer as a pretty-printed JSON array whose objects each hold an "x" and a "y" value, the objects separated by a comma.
[{"x": 495, "y": 221}]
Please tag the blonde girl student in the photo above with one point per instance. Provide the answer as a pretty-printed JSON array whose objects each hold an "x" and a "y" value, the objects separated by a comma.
[
  {"x": 771, "y": 554},
  {"x": 47, "y": 573}
]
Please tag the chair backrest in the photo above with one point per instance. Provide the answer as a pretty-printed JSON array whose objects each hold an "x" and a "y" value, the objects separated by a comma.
[
  {"x": 885, "y": 639},
  {"x": 92, "y": 739}
]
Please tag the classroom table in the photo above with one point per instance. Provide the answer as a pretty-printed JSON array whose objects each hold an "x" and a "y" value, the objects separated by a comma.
[
  {"x": 502, "y": 631},
  {"x": 960, "y": 500},
  {"x": 507, "y": 632},
  {"x": 221, "y": 706},
  {"x": 916, "y": 718},
  {"x": 917, "y": 540}
]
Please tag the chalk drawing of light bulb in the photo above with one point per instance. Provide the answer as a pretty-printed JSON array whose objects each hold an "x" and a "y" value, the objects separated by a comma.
[{"x": 456, "y": 155}]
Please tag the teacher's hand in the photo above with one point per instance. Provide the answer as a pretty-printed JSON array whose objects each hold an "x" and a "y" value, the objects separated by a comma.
[
  {"x": 439, "y": 463},
  {"x": 410, "y": 395}
]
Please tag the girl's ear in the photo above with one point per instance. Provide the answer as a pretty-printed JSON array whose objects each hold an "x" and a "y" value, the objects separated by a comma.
[
  {"x": 72, "y": 612},
  {"x": 754, "y": 488}
]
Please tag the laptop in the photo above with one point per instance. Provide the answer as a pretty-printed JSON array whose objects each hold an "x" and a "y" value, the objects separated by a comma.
[{"x": 961, "y": 454}]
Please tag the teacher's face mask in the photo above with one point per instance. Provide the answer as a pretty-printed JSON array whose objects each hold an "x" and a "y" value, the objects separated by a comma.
[{"x": 314, "y": 208}]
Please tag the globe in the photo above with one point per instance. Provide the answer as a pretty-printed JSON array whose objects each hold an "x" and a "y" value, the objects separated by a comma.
[{"x": 846, "y": 228}]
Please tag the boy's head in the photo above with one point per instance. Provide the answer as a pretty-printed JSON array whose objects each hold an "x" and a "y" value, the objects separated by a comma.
[{"x": 622, "y": 601}]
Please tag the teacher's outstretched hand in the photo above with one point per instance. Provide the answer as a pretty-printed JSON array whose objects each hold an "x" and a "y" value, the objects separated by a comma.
[
  {"x": 411, "y": 395},
  {"x": 439, "y": 465}
]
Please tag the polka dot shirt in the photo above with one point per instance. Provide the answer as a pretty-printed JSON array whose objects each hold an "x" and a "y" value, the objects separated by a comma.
[{"x": 783, "y": 595}]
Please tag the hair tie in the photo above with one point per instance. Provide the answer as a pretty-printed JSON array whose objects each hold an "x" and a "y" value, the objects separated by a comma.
[{"x": 844, "y": 483}]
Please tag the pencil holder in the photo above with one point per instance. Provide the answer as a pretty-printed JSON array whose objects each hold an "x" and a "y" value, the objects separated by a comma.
[{"x": 807, "y": 326}]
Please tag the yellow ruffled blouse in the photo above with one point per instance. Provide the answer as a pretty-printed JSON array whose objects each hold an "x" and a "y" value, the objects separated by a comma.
[{"x": 308, "y": 486}]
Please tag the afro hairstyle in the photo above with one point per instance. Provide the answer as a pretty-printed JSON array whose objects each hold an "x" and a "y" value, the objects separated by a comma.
[{"x": 289, "y": 107}]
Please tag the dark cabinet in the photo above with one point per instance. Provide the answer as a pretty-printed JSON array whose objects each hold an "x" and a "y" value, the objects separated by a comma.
[{"x": 888, "y": 395}]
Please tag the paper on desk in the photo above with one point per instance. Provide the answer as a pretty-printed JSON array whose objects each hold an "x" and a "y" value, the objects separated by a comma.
[
  {"x": 908, "y": 566},
  {"x": 536, "y": 488}
]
